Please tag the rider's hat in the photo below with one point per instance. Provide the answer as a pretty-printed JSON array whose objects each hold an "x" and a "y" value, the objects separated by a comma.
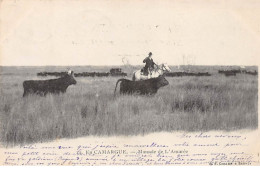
[{"x": 150, "y": 54}]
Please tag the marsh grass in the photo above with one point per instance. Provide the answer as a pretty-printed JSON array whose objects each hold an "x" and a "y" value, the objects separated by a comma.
[{"x": 89, "y": 108}]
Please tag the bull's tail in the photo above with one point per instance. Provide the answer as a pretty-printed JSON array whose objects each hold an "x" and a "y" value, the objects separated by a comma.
[
  {"x": 24, "y": 89},
  {"x": 133, "y": 78},
  {"x": 116, "y": 86}
]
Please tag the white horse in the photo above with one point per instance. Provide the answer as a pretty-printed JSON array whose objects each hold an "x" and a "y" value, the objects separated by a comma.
[{"x": 159, "y": 70}]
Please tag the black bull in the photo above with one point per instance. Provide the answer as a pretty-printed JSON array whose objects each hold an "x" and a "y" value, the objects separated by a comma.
[
  {"x": 42, "y": 87},
  {"x": 149, "y": 86}
]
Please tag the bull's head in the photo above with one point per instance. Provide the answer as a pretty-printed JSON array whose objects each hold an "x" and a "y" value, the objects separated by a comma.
[
  {"x": 162, "y": 81},
  {"x": 70, "y": 78}
]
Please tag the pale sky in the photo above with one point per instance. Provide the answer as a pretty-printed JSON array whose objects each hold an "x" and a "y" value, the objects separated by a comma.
[{"x": 81, "y": 32}]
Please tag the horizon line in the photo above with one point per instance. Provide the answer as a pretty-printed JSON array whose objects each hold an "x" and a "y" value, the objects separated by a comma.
[{"x": 108, "y": 65}]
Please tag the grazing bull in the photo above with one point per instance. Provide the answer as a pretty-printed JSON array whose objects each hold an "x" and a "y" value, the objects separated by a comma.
[
  {"x": 55, "y": 86},
  {"x": 149, "y": 86}
]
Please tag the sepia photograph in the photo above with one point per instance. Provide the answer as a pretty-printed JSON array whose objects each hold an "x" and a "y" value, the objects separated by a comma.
[{"x": 129, "y": 82}]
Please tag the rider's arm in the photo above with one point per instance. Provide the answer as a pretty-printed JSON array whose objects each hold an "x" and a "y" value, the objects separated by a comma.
[
  {"x": 153, "y": 62},
  {"x": 144, "y": 61}
]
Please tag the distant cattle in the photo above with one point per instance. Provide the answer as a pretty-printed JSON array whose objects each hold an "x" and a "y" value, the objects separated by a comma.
[
  {"x": 57, "y": 74},
  {"x": 237, "y": 71},
  {"x": 230, "y": 71},
  {"x": 177, "y": 74},
  {"x": 149, "y": 86},
  {"x": 113, "y": 72},
  {"x": 230, "y": 74},
  {"x": 55, "y": 86},
  {"x": 251, "y": 73}
]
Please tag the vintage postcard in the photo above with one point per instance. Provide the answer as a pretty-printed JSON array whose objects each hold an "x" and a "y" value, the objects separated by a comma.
[{"x": 112, "y": 82}]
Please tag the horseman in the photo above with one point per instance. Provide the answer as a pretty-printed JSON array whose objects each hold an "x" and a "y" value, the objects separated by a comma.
[
  {"x": 149, "y": 64},
  {"x": 149, "y": 70}
]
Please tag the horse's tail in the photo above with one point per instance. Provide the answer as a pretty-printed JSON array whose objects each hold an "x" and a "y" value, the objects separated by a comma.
[{"x": 116, "y": 85}]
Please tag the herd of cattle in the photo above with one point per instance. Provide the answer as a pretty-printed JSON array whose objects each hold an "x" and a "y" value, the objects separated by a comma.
[
  {"x": 118, "y": 72},
  {"x": 107, "y": 74},
  {"x": 149, "y": 86},
  {"x": 113, "y": 72},
  {"x": 237, "y": 71},
  {"x": 176, "y": 74}
]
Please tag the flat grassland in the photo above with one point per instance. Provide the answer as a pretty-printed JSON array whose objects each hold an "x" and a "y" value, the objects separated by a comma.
[{"x": 187, "y": 104}]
